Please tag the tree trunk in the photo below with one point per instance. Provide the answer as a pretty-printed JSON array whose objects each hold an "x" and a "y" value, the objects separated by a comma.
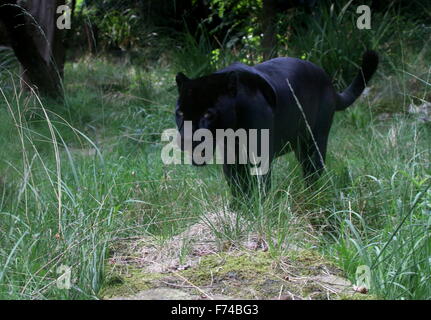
[
  {"x": 268, "y": 24},
  {"x": 37, "y": 42},
  {"x": 91, "y": 35}
]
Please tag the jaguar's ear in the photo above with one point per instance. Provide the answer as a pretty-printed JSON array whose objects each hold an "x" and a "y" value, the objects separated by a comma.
[
  {"x": 256, "y": 82},
  {"x": 181, "y": 79}
]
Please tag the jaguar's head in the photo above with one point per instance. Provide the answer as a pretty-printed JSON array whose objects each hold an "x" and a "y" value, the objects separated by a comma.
[
  {"x": 225, "y": 100},
  {"x": 204, "y": 103}
]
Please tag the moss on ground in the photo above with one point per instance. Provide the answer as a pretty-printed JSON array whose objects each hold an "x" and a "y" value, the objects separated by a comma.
[
  {"x": 238, "y": 275},
  {"x": 241, "y": 266},
  {"x": 127, "y": 281}
]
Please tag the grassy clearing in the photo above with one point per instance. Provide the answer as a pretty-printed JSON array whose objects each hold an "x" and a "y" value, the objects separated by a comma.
[{"x": 77, "y": 178}]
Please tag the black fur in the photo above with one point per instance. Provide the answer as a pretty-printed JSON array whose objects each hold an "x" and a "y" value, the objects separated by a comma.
[
  {"x": 370, "y": 60},
  {"x": 270, "y": 96}
]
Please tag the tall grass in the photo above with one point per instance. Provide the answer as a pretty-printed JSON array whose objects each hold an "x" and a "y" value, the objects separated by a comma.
[
  {"x": 46, "y": 221},
  {"x": 332, "y": 40},
  {"x": 383, "y": 217},
  {"x": 67, "y": 193}
]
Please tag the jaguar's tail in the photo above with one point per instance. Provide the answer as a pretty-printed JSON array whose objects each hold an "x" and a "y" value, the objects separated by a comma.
[{"x": 370, "y": 60}]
